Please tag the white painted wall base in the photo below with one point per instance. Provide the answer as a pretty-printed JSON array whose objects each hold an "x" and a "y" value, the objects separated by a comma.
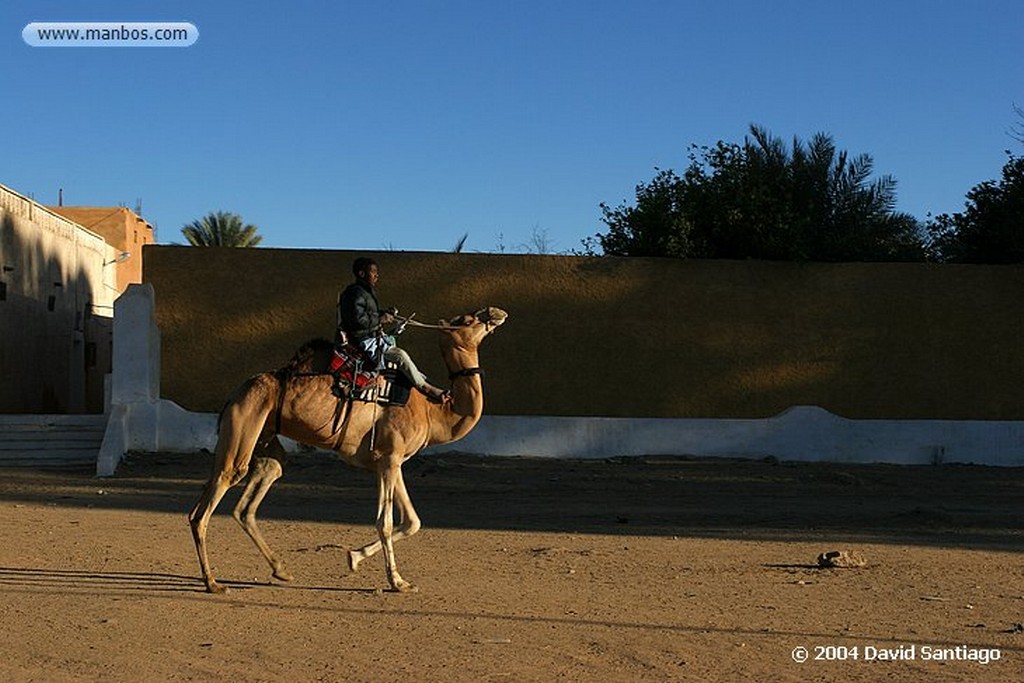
[
  {"x": 153, "y": 426},
  {"x": 140, "y": 420},
  {"x": 803, "y": 433},
  {"x": 799, "y": 434}
]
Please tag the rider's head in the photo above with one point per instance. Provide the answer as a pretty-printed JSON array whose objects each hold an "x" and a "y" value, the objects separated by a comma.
[{"x": 366, "y": 269}]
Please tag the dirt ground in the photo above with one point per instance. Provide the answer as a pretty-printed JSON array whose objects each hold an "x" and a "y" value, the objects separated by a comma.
[{"x": 529, "y": 569}]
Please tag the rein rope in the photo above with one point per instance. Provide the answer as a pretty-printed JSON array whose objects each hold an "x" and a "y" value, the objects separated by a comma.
[
  {"x": 417, "y": 323},
  {"x": 465, "y": 372}
]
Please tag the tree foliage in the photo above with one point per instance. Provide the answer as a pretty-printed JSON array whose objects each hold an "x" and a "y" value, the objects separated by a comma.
[
  {"x": 991, "y": 227},
  {"x": 221, "y": 229},
  {"x": 760, "y": 200},
  {"x": 1017, "y": 129}
]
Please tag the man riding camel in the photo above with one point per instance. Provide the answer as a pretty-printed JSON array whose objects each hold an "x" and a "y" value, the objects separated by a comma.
[{"x": 361, "y": 322}]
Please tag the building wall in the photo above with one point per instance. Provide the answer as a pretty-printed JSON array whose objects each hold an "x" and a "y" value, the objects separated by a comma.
[
  {"x": 56, "y": 301},
  {"x": 624, "y": 337},
  {"x": 121, "y": 228}
]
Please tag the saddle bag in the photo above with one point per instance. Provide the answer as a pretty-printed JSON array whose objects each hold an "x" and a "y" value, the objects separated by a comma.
[{"x": 348, "y": 364}]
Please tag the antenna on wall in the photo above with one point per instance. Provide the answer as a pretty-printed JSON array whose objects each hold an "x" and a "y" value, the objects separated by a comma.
[
  {"x": 60, "y": 196},
  {"x": 138, "y": 207}
]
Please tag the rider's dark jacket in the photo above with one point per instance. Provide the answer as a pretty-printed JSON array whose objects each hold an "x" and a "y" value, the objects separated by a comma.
[{"x": 359, "y": 311}]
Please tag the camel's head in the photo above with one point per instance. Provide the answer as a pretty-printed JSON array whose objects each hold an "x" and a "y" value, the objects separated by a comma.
[{"x": 470, "y": 329}]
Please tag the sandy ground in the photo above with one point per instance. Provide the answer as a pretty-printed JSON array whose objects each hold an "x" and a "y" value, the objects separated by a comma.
[{"x": 648, "y": 569}]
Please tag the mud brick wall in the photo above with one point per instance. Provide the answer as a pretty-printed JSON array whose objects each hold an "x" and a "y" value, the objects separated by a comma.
[{"x": 624, "y": 337}]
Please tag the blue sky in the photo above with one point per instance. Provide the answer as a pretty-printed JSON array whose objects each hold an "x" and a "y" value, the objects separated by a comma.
[{"x": 404, "y": 125}]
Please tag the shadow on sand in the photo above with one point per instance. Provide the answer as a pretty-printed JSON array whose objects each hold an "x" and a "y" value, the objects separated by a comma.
[{"x": 943, "y": 506}]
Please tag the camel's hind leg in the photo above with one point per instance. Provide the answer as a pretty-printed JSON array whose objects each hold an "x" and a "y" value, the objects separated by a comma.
[
  {"x": 266, "y": 469},
  {"x": 238, "y": 432},
  {"x": 199, "y": 520}
]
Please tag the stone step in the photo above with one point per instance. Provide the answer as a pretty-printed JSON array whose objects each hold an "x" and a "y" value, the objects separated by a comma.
[{"x": 50, "y": 440}]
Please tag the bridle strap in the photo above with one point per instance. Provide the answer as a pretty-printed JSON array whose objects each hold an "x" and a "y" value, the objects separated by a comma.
[{"x": 467, "y": 372}]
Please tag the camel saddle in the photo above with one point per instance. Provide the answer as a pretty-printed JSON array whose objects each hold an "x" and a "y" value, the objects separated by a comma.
[{"x": 356, "y": 376}]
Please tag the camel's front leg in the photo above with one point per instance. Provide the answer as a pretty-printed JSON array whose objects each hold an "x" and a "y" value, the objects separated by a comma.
[
  {"x": 410, "y": 524},
  {"x": 388, "y": 483}
]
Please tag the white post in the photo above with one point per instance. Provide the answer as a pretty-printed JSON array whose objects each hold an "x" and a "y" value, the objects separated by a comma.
[
  {"x": 135, "y": 383},
  {"x": 136, "y": 347},
  {"x": 139, "y": 419}
]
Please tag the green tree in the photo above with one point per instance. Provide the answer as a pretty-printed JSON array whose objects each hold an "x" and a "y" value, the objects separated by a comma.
[
  {"x": 990, "y": 229},
  {"x": 221, "y": 229},
  {"x": 761, "y": 200}
]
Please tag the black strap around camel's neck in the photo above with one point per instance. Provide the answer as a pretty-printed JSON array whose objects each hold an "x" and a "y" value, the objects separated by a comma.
[{"x": 467, "y": 372}]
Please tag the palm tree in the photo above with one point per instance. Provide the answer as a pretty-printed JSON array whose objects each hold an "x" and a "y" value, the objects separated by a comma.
[
  {"x": 221, "y": 229},
  {"x": 825, "y": 203},
  {"x": 763, "y": 200}
]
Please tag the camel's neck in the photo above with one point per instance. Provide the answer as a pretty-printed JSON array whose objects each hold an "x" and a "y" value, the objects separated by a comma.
[{"x": 453, "y": 421}]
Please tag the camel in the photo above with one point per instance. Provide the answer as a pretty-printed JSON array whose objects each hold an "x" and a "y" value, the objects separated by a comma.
[{"x": 297, "y": 402}]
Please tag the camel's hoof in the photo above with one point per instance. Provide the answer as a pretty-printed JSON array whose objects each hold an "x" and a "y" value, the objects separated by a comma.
[
  {"x": 215, "y": 588},
  {"x": 282, "y": 575},
  {"x": 404, "y": 587},
  {"x": 353, "y": 560}
]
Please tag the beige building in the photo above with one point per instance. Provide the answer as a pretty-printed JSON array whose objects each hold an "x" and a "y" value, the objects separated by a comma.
[
  {"x": 122, "y": 229},
  {"x": 58, "y": 282}
]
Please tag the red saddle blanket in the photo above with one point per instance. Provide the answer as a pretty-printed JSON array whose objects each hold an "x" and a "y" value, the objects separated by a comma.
[{"x": 348, "y": 363}]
